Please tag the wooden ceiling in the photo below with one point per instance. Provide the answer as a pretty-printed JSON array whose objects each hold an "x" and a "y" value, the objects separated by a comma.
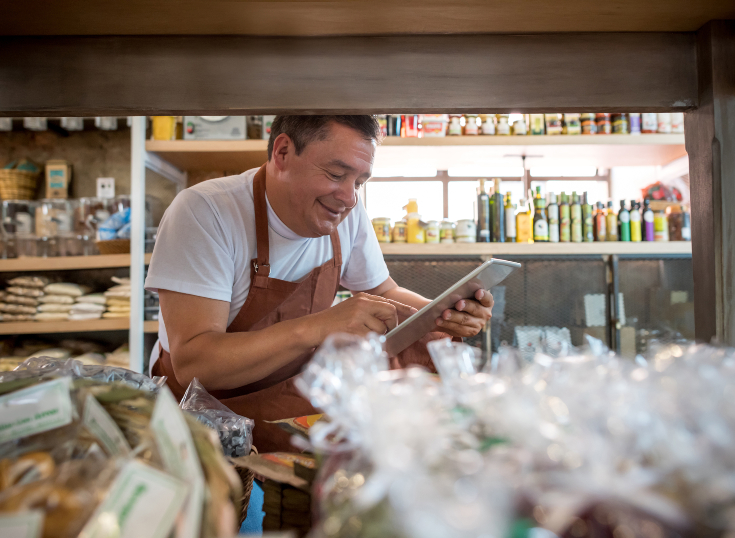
[{"x": 355, "y": 17}]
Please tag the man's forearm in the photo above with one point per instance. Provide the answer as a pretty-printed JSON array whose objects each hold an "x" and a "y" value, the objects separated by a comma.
[{"x": 224, "y": 361}]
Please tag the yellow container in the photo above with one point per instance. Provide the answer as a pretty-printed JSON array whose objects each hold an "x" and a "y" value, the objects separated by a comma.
[
  {"x": 412, "y": 206},
  {"x": 415, "y": 232},
  {"x": 399, "y": 232},
  {"x": 164, "y": 127},
  {"x": 382, "y": 229}
]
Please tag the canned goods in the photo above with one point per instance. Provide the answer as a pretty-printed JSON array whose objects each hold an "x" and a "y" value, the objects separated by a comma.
[
  {"x": 466, "y": 231},
  {"x": 400, "y": 231},
  {"x": 446, "y": 232},
  {"x": 382, "y": 229}
]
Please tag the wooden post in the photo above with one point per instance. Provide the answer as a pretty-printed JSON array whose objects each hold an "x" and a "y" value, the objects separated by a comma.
[{"x": 710, "y": 142}]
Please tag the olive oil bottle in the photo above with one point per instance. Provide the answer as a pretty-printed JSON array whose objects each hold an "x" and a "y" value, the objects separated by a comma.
[
  {"x": 576, "y": 214},
  {"x": 565, "y": 232},
  {"x": 588, "y": 225},
  {"x": 540, "y": 219},
  {"x": 524, "y": 224}
]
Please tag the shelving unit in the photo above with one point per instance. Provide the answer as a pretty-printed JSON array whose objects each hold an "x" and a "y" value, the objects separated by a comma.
[
  {"x": 601, "y": 150},
  {"x": 50, "y": 327},
  {"x": 67, "y": 263},
  {"x": 538, "y": 249}
]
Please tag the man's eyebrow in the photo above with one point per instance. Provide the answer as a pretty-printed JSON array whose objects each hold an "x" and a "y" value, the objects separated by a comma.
[{"x": 342, "y": 164}]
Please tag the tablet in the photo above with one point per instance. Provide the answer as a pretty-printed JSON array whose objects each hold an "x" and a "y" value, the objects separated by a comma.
[{"x": 489, "y": 274}]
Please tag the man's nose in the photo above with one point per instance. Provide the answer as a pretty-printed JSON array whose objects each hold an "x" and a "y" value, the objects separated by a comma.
[{"x": 346, "y": 194}]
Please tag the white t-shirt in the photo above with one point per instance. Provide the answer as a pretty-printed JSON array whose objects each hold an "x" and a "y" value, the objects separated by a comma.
[{"x": 206, "y": 241}]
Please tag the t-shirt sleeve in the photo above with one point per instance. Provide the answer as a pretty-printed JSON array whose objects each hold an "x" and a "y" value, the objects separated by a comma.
[
  {"x": 193, "y": 253},
  {"x": 366, "y": 268}
]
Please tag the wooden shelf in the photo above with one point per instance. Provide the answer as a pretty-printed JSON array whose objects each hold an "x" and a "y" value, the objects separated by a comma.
[
  {"x": 67, "y": 263},
  {"x": 537, "y": 249},
  {"x": 603, "y": 151},
  {"x": 150, "y": 327},
  {"x": 51, "y": 327}
]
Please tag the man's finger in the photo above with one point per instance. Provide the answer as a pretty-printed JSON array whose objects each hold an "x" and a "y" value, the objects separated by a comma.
[
  {"x": 485, "y": 298},
  {"x": 377, "y": 325},
  {"x": 473, "y": 308},
  {"x": 462, "y": 318},
  {"x": 455, "y": 329}
]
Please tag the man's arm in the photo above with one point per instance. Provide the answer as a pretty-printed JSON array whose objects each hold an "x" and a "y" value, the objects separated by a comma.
[
  {"x": 200, "y": 346},
  {"x": 466, "y": 319}
]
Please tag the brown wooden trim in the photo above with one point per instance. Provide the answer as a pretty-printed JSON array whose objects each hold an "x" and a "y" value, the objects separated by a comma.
[
  {"x": 710, "y": 143},
  {"x": 127, "y": 75}
]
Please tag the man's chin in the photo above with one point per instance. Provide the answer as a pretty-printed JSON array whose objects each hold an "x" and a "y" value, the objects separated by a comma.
[{"x": 323, "y": 228}]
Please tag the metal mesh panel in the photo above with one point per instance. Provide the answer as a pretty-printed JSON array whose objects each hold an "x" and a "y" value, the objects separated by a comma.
[{"x": 658, "y": 295}]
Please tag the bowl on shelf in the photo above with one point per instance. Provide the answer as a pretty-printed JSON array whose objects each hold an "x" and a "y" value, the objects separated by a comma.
[{"x": 114, "y": 246}]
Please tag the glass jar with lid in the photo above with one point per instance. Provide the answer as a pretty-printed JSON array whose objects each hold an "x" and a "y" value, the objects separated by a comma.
[
  {"x": 19, "y": 216},
  {"x": 54, "y": 216},
  {"x": 90, "y": 213}
]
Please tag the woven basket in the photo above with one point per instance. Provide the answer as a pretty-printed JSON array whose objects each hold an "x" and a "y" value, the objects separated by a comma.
[
  {"x": 18, "y": 184},
  {"x": 114, "y": 246},
  {"x": 246, "y": 477}
]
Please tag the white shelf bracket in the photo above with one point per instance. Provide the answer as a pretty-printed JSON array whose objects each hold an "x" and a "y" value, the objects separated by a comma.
[
  {"x": 165, "y": 169},
  {"x": 137, "y": 241}
]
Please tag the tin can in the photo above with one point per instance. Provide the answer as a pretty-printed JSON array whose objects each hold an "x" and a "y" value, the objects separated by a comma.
[
  {"x": 382, "y": 229},
  {"x": 400, "y": 232},
  {"x": 432, "y": 232},
  {"x": 446, "y": 232},
  {"x": 466, "y": 231}
]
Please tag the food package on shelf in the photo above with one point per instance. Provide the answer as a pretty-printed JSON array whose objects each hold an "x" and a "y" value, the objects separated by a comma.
[
  {"x": 235, "y": 431},
  {"x": 101, "y": 451},
  {"x": 580, "y": 444}
]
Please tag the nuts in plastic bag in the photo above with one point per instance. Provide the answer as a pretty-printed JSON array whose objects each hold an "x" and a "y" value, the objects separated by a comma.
[{"x": 235, "y": 431}]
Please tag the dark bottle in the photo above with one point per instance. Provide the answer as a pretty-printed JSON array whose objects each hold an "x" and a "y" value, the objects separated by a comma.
[
  {"x": 647, "y": 221},
  {"x": 498, "y": 214},
  {"x": 483, "y": 214},
  {"x": 588, "y": 221},
  {"x": 540, "y": 219},
  {"x": 394, "y": 125},
  {"x": 623, "y": 223}
]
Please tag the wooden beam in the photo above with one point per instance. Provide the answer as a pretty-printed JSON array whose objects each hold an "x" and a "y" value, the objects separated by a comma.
[
  {"x": 93, "y": 76},
  {"x": 710, "y": 142}
]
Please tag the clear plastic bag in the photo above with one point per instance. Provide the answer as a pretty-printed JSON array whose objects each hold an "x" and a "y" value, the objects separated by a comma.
[{"x": 235, "y": 431}]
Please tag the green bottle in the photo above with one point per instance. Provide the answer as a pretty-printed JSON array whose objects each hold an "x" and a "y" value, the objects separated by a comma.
[
  {"x": 576, "y": 212},
  {"x": 498, "y": 214},
  {"x": 588, "y": 224},
  {"x": 623, "y": 223},
  {"x": 565, "y": 223}
]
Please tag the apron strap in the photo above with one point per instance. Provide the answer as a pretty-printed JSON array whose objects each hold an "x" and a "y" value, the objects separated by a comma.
[
  {"x": 336, "y": 248},
  {"x": 261, "y": 265}
]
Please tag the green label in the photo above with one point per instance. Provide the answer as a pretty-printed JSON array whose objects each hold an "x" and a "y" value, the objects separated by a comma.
[
  {"x": 22, "y": 524},
  {"x": 36, "y": 409},
  {"x": 142, "y": 503},
  {"x": 100, "y": 424},
  {"x": 179, "y": 457}
]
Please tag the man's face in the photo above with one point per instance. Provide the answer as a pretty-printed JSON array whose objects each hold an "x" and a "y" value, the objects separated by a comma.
[{"x": 323, "y": 181}]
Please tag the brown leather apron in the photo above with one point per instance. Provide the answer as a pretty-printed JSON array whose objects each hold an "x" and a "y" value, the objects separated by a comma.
[{"x": 269, "y": 301}]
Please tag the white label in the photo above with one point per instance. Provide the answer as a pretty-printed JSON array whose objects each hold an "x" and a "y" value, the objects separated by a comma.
[
  {"x": 36, "y": 409},
  {"x": 510, "y": 222},
  {"x": 635, "y": 216},
  {"x": 6, "y": 124},
  {"x": 22, "y": 524},
  {"x": 541, "y": 228},
  {"x": 648, "y": 216},
  {"x": 180, "y": 458},
  {"x": 624, "y": 216},
  {"x": 686, "y": 234},
  {"x": 142, "y": 503},
  {"x": 105, "y": 187},
  {"x": 100, "y": 425}
]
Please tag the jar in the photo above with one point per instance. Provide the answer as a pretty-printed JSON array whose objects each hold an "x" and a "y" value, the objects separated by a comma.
[
  {"x": 70, "y": 244},
  {"x": 471, "y": 128},
  {"x": 455, "y": 127},
  {"x": 572, "y": 124},
  {"x": 519, "y": 127},
  {"x": 410, "y": 126},
  {"x": 634, "y": 123},
  {"x": 434, "y": 125},
  {"x": 90, "y": 213},
  {"x": 538, "y": 127},
  {"x": 649, "y": 122},
  {"x": 53, "y": 216},
  {"x": 553, "y": 124},
  {"x": 664, "y": 122},
  {"x": 432, "y": 231},
  {"x": 589, "y": 127},
  {"x": 446, "y": 232},
  {"x": 400, "y": 232},
  {"x": 677, "y": 122},
  {"x": 19, "y": 216},
  {"x": 382, "y": 229},
  {"x": 466, "y": 231},
  {"x": 676, "y": 223},
  {"x": 660, "y": 226},
  {"x": 26, "y": 245},
  {"x": 488, "y": 124},
  {"x": 603, "y": 124},
  {"x": 620, "y": 124},
  {"x": 415, "y": 232},
  {"x": 503, "y": 127}
]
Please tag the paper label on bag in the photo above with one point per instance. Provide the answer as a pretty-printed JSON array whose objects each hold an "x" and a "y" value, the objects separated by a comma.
[
  {"x": 100, "y": 424},
  {"x": 22, "y": 524},
  {"x": 180, "y": 458},
  {"x": 142, "y": 503},
  {"x": 35, "y": 409}
]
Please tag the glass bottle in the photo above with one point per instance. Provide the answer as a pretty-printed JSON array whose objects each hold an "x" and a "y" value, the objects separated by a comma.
[
  {"x": 553, "y": 212},
  {"x": 576, "y": 219},
  {"x": 540, "y": 219},
  {"x": 647, "y": 224},
  {"x": 660, "y": 226},
  {"x": 565, "y": 232},
  {"x": 524, "y": 226},
  {"x": 483, "y": 214},
  {"x": 623, "y": 223},
  {"x": 498, "y": 214},
  {"x": 588, "y": 224},
  {"x": 635, "y": 221},
  {"x": 510, "y": 220},
  {"x": 600, "y": 223},
  {"x": 612, "y": 222}
]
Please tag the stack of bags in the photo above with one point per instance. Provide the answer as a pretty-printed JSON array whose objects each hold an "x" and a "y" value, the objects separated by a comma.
[
  {"x": 59, "y": 301},
  {"x": 22, "y": 297},
  {"x": 86, "y": 307},
  {"x": 118, "y": 299}
]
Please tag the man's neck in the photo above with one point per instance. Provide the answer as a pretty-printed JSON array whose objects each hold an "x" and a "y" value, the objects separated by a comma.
[{"x": 277, "y": 198}]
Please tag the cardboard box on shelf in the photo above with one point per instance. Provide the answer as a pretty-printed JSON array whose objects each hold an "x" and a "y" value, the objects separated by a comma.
[{"x": 58, "y": 178}]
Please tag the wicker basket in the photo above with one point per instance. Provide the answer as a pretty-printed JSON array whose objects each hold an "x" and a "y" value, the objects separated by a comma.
[
  {"x": 246, "y": 477},
  {"x": 18, "y": 184},
  {"x": 114, "y": 246}
]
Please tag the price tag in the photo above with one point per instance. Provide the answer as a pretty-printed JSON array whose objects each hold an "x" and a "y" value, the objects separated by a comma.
[
  {"x": 37, "y": 409},
  {"x": 100, "y": 424},
  {"x": 105, "y": 187}
]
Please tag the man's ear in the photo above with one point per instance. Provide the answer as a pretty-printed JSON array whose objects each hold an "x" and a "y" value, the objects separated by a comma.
[{"x": 283, "y": 148}]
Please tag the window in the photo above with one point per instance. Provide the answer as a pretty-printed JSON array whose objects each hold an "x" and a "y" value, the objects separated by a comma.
[{"x": 387, "y": 198}]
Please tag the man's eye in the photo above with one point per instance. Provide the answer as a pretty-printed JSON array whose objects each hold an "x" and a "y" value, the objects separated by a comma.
[{"x": 335, "y": 177}]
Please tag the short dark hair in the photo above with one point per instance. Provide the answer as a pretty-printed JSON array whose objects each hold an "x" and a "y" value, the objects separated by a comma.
[{"x": 305, "y": 129}]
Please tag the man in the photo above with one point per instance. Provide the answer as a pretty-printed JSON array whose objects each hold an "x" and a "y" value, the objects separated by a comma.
[{"x": 247, "y": 268}]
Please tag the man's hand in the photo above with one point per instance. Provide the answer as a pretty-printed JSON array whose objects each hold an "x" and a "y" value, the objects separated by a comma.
[
  {"x": 359, "y": 315},
  {"x": 468, "y": 317}
]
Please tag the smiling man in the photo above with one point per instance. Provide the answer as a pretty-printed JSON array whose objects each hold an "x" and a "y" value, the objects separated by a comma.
[{"x": 247, "y": 268}]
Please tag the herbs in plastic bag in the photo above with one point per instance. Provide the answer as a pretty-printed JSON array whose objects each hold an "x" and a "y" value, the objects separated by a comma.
[{"x": 235, "y": 431}]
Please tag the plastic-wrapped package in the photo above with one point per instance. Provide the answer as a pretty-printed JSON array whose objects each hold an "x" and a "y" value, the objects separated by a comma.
[{"x": 235, "y": 431}]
